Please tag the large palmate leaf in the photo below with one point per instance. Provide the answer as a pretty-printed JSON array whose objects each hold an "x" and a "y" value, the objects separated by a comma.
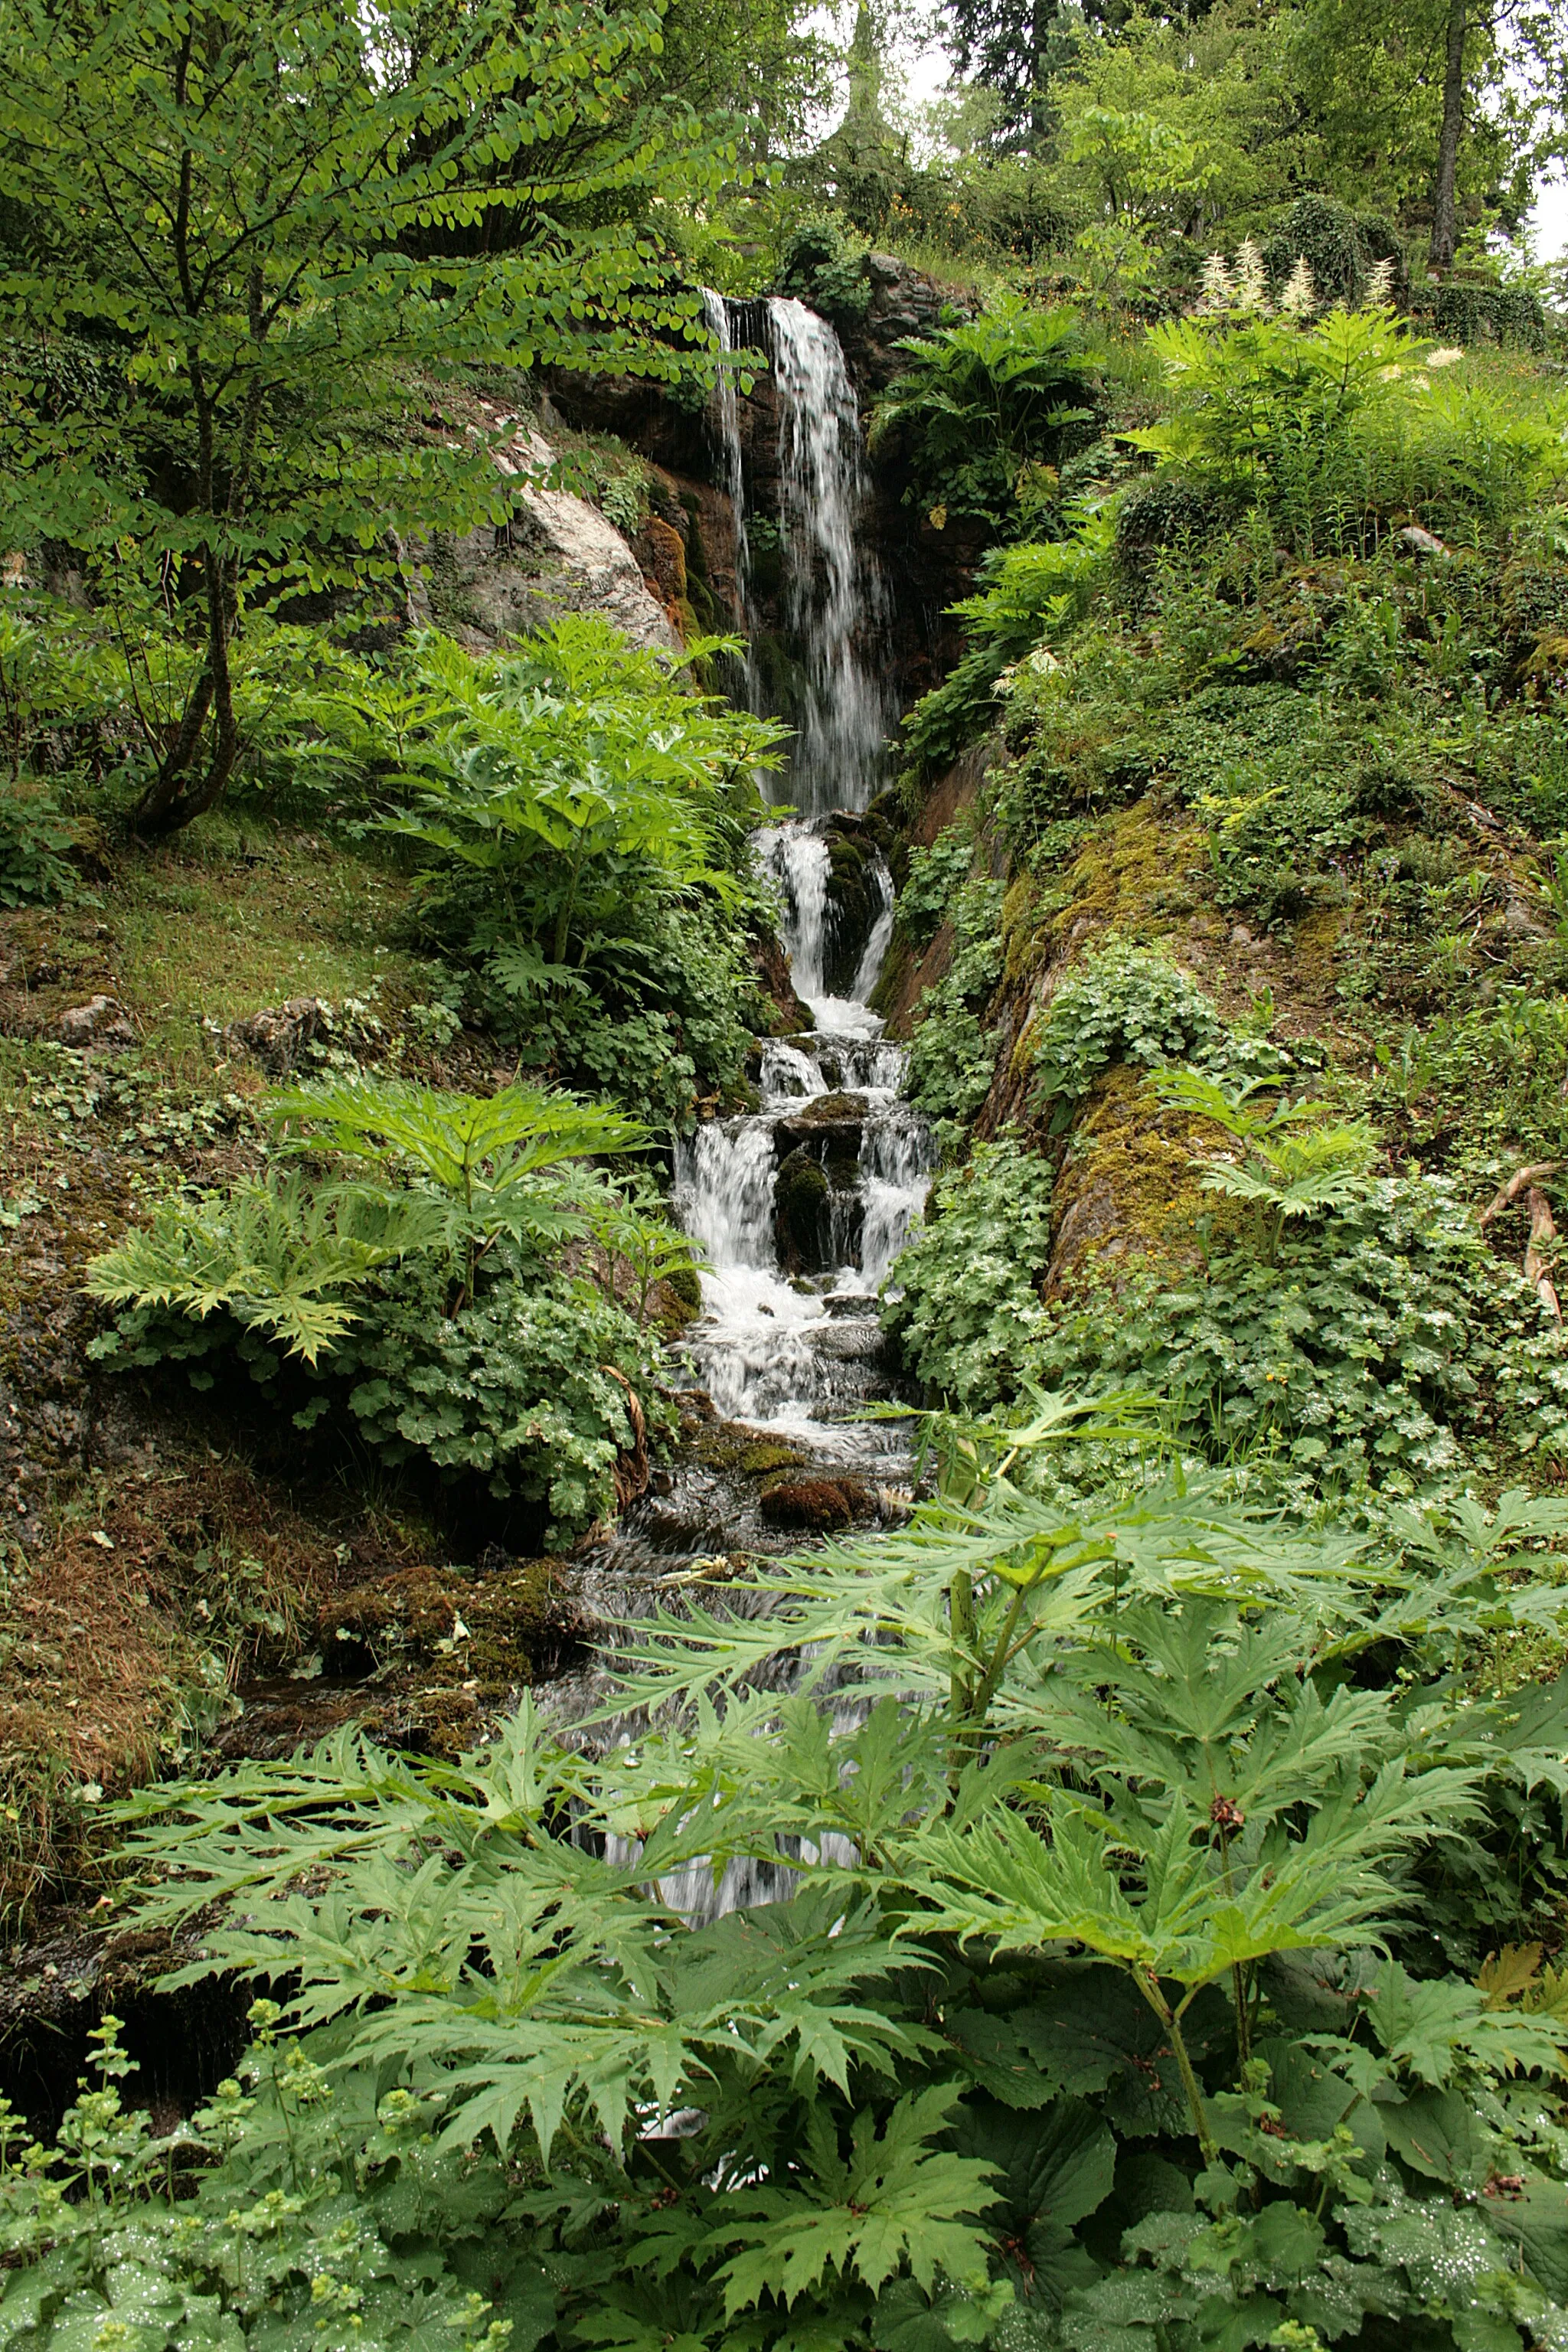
[
  {"x": 280, "y": 1256},
  {"x": 1176, "y": 1912},
  {"x": 894, "y": 2198}
]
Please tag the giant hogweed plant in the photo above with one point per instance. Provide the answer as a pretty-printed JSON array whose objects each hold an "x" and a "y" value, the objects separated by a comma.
[
  {"x": 426, "y": 1291},
  {"x": 1079, "y": 2019}
]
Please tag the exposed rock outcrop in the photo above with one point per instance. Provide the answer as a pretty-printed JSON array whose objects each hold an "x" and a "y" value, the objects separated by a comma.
[{"x": 557, "y": 554}]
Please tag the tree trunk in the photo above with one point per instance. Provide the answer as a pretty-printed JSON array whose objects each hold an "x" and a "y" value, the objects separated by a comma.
[
  {"x": 170, "y": 801},
  {"x": 1445, "y": 218},
  {"x": 152, "y": 810},
  {"x": 1042, "y": 22}
]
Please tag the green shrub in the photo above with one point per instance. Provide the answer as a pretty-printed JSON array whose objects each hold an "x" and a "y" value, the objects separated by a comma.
[
  {"x": 37, "y": 838},
  {"x": 1466, "y": 313},
  {"x": 1341, "y": 247},
  {"x": 1029, "y": 597},
  {"x": 1123, "y": 1004},
  {"x": 583, "y": 824},
  {"x": 823, "y": 265},
  {"x": 963, "y": 1301},
  {"x": 980, "y": 405},
  {"x": 430, "y": 1307},
  {"x": 1332, "y": 428},
  {"x": 936, "y": 875},
  {"x": 1385, "y": 1348}
]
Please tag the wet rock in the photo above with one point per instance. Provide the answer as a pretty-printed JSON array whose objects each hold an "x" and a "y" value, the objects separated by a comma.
[
  {"x": 277, "y": 1035},
  {"x": 101, "y": 1020},
  {"x": 837, "y": 1120},
  {"x": 801, "y": 1214},
  {"x": 816, "y": 1506}
]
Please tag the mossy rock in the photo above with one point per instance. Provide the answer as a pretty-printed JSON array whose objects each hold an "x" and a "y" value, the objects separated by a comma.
[
  {"x": 801, "y": 1214},
  {"x": 685, "y": 1284},
  {"x": 817, "y": 1505}
]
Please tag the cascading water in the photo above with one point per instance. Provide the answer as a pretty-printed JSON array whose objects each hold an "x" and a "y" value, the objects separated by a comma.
[
  {"x": 835, "y": 598},
  {"x": 727, "y": 420},
  {"x": 801, "y": 1204}
]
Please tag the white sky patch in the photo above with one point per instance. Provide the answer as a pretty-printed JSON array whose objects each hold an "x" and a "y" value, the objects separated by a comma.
[{"x": 919, "y": 70}]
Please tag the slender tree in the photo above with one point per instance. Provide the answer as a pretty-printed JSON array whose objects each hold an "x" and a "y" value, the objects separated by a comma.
[
  {"x": 1445, "y": 212},
  {"x": 255, "y": 227}
]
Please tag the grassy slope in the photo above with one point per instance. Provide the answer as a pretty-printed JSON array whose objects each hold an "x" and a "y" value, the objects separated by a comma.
[{"x": 171, "y": 1548}]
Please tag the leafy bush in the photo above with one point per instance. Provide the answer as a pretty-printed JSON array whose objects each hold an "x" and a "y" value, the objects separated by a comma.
[
  {"x": 964, "y": 1302},
  {"x": 36, "y": 838},
  {"x": 582, "y": 821},
  {"x": 431, "y": 1306},
  {"x": 1385, "y": 1347},
  {"x": 824, "y": 265},
  {"x": 1342, "y": 250},
  {"x": 1333, "y": 427},
  {"x": 1124, "y": 1004},
  {"x": 980, "y": 407},
  {"x": 1087, "y": 2017},
  {"x": 1468, "y": 313}
]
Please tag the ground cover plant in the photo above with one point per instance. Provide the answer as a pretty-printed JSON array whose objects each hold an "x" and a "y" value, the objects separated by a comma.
[{"x": 1100, "y": 2000}]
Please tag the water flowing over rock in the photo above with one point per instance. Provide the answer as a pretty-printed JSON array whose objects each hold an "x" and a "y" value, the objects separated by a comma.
[
  {"x": 835, "y": 598},
  {"x": 801, "y": 1204},
  {"x": 732, "y": 481}
]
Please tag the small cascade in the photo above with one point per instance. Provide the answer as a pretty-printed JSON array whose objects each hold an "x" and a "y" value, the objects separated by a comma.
[
  {"x": 802, "y": 1205},
  {"x": 834, "y": 597},
  {"x": 727, "y": 422}
]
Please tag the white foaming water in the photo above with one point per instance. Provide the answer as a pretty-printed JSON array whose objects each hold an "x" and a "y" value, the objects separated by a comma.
[
  {"x": 797, "y": 859},
  {"x": 725, "y": 1181},
  {"x": 834, "y": 592},
  {"x": 797, "y": 1353}
]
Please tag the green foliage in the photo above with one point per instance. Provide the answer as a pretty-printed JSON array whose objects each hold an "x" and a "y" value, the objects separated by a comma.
[
  {"x": 935, "y": 876},
  {"x": 964, "y": 1298},
  {"x": 1384, "y": 1347},
  {"x": 37, "y": 838},
  {"x": 823, "y": 263},
  {"x": 583, "y": 823},
  {"x": 1342, "y": 248},
  {"x": 980, "y": 408},
  {"x": 1123, "y": 1004},
  {"x": 1032, "y": 595},
  {"x": 1335, "y": 425},
  {"x": 281, "y": 1258},
  {"x": 952, "y": 1056},
  {"x": 261, "y": 236},
  {"x": 1284, "y": 1173},
  {"x": 1084, "y": 2018},
  {"x": 429, "y": 1305}
]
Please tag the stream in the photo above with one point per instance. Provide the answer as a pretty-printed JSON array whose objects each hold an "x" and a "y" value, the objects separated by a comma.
[{"x": 801, "y": 1205}]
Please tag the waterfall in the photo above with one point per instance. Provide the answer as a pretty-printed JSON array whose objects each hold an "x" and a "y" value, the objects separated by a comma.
[
  {"x": 797, "y": 859},
  {"x": 834, "y": 592},
  {"x": 727, "y": 417}
]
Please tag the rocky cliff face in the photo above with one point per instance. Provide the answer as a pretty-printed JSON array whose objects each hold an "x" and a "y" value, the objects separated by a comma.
[
  {"x": 927, "y": 569},
  {"x": 556, "y": 555}
]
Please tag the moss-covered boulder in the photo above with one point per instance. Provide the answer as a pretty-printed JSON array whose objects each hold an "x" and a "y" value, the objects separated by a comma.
[{"x": 802, "y": 1221}]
